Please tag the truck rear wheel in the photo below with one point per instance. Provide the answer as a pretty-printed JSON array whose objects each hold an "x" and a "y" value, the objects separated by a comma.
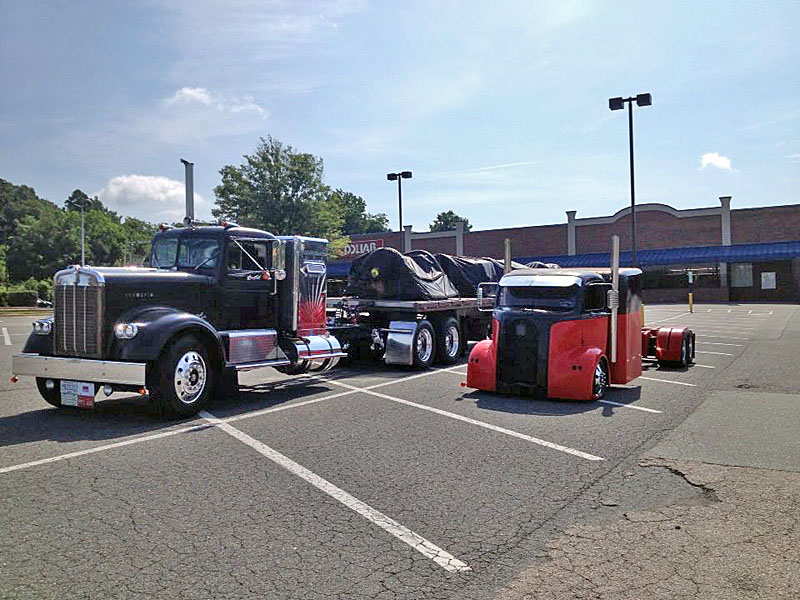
[
  {"x": 449, "y": 344},
  {"x": 180, "y": 385},
  {"x": 51, "y": 396},
  {"x": 424, "y": 345}
]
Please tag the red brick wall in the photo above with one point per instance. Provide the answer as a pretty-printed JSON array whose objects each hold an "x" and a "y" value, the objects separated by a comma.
[
  {"x": 769, "y": 224},
  {"x": 654, "y": 229},
  {"x": 542, "y": 240},
  {"x": 445, "y": 245}
]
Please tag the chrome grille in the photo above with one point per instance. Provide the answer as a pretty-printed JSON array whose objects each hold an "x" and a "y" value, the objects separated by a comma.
[{"x": 78, "y": 320}]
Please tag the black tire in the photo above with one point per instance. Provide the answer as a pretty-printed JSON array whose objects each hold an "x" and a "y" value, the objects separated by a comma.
[
  {"x": 450, "y": 341},
  {"x": 423, "y": 346},
  {"x": 52, "y": 397},
  {"x": 182, "y": 382},
  {"x": 684, "y": 360},
  {"x": 600, "y": 380},
  {"x": 690, "y": 354}
]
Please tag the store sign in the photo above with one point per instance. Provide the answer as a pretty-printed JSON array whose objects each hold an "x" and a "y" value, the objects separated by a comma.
[{"x": 358, "y": 248}]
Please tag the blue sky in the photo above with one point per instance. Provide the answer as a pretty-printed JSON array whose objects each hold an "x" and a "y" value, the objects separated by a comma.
[{"x": 499, "y": 109}]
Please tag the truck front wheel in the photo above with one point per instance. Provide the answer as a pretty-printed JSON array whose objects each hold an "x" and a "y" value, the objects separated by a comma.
[{"x": 180, "y": 384}]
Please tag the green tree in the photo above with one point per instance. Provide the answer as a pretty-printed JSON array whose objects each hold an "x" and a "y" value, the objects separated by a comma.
[
  {"x": 280, "y": 190},
  {"x": 446, "y": 221},
  {"x": 40, "y": 247},
  {"x": 78, "y": 199},
  {"x": 16, "y": 202},
  {"x": 356, "y": 217}
]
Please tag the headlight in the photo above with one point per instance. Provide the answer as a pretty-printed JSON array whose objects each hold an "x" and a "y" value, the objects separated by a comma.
[
  {"x": 42, "y": 327},
  {"x": 125, "y": 331}
]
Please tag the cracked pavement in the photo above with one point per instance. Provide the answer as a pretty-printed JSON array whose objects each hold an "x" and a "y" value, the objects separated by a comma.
[{"x": 675, "y": 508}]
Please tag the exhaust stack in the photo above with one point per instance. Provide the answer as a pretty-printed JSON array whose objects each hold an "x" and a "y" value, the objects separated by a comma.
[{"x": 189, "y": 177}]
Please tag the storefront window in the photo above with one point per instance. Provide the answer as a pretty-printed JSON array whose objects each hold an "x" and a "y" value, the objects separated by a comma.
[{"x": 742, "y": 275}]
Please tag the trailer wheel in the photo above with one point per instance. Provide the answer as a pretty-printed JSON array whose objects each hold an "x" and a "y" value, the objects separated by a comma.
[
  {"x": 449, "y": 341},
  {"x": 181, "y": 383},
  {"x": 52, "y": 397},
  {"x": 424, "y": 345},
  {"x": 600, "y": 380}
]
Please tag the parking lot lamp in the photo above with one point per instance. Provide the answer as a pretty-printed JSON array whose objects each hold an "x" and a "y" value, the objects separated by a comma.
[
  {"x": 617, "y": 104},
  {"x": 399, "y": 177}
]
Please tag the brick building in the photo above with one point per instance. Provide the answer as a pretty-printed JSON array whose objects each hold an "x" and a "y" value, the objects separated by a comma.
[{"x": 738, "y": 254}]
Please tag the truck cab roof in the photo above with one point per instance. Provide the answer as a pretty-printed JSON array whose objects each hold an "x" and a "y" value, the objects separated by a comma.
[
  {"x": 562, "y": 277},
  {"x": 213, "y": 231}
]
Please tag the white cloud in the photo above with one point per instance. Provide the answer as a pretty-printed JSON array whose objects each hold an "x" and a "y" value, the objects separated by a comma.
[
  {"x": 715, "y": 160},
  {"x": 153, "y": 198},
  {"x": 200, "y": 96},
  {"x": 793, "y": 158}
]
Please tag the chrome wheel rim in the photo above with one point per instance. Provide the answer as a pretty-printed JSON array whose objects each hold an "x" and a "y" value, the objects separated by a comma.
[
  {"x": 190, "y": 377},
  {"x": 691, "y": 349},
  {"x": 451, "y": 341},
  {"x": 684, "y": 351},
  {"x": 424, "y": 345},
  {"x": 600, "y": 381}
]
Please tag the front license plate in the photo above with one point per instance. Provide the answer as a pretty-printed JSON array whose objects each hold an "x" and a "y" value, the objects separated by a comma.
[{"x": 77, "y": 393}]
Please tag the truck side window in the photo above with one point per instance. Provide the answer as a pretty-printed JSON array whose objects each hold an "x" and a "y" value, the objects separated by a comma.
[
  {"x": 247, "y": 256},
  {"x": 594, "y": 297}
]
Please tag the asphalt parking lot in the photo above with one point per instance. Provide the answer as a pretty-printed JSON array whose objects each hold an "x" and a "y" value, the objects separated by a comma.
[{"x": 367, "y": 482}]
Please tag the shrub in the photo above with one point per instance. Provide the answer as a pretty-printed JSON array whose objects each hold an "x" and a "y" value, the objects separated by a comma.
[{"x": 21, "y": 298}]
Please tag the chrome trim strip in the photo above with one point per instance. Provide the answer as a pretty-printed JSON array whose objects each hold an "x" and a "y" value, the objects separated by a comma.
[
  {"x": 79, "y": 369},
  {"x": 258, "y": 365}
]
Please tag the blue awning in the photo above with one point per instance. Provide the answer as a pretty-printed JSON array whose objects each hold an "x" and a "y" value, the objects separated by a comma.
[
  {"x": 681, "y": 256},
  {"x": 662, "y": 256}
]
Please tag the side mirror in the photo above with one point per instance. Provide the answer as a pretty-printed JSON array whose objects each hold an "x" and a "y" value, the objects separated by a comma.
[
  {"x": 487, "y": 290},
  {"x": 278, "y": 255}
]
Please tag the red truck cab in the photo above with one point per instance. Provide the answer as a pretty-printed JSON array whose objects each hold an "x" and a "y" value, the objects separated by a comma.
[{"x": 552, "y": 333}]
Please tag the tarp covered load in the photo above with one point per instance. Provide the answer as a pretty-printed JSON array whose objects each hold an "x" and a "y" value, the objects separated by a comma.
[
  {"x": 386, "y": 274},
  {"x": 540, "y": 265},
  {"x": 466, "y": 272}
]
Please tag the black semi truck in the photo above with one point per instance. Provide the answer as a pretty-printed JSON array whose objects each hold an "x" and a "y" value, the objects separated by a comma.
[{"x": 213, "y": 301}]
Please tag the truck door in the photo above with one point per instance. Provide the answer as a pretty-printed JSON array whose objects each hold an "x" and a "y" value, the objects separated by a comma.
[{"x": 248, "y": 300}]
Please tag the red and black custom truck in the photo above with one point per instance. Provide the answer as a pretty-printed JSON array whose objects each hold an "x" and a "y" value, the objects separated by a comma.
[{"x": 571, "y": 333}]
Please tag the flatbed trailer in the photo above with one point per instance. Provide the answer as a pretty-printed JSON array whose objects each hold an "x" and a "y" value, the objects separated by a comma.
[{"x": 415, "y": 333}]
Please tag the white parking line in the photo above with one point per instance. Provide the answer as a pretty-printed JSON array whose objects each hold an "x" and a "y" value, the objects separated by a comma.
[
  {"x": 457, "y": 417},
  {"x": 138, "y": 440},
  {"x": 668, "y": 318},
  {"x": 416, "y": 541},
  {"x": 703, "y": 366},
  {"x": 668, "y": 381},
  {"x": 710, "y": 352},
  {"x": 719, "y": 344},
  {"x": 727, "y": 337},
  {"x": 642, "y": 408},
  {"x": 6, "y": 337}
]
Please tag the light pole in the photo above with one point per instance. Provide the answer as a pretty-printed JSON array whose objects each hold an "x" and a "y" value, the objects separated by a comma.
[
  {"x": 617, "y": 104},
  {"x": 83, "y": 234},
  {"x": 399, "y": 177}
]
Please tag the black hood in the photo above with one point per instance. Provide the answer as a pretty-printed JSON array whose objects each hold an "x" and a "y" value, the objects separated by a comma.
[{"x": 127, "y": 288}]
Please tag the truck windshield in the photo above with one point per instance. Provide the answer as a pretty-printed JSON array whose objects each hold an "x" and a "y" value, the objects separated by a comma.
[
  {"x": 190, "y": 253},
  {"x": 555, "y": 299}
]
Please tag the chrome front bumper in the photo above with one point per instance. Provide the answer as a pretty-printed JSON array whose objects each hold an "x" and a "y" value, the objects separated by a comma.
[{"x": 78, "y": 369}]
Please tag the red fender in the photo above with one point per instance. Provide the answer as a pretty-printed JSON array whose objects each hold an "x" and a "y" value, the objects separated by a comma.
[
  {"x": 570, "y": 364},
  {"x": 482, "y": 365},
  {"x": 668, "y": 343}
]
